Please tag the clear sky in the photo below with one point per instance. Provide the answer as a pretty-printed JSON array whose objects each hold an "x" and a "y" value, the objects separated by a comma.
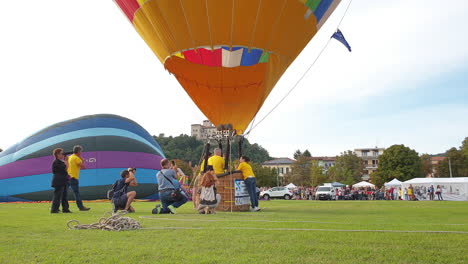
[{"x": 405, "y": 82}]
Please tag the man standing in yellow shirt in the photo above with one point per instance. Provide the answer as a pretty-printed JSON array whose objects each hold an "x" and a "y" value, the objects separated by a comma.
[
  {"x": 217, "y": 161},
  {"x": 250, "y": 181},
  {"x": 75, "y": 164}
]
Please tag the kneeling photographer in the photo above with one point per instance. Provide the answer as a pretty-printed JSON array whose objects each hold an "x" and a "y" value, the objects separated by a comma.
[
  {"x": 122, "y": 199},
  {"x": 170, "y": 193}
]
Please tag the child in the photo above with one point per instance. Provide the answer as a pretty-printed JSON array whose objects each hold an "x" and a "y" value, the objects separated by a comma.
[{"x": 209, "y": 200}]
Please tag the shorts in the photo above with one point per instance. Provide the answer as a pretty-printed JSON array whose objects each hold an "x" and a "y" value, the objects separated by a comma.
[{"x": 120, "y": 202}]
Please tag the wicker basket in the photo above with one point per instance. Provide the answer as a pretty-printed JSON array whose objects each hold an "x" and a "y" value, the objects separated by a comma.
[{"x": 225, "y": 187}]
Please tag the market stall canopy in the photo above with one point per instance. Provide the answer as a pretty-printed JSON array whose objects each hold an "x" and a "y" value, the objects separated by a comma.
[
  {"x": 393, "y": 183},
  {"x": 363, "y": 184},
  {"x": 453, "y": 189},
  {"x": 291, "y": 185}
]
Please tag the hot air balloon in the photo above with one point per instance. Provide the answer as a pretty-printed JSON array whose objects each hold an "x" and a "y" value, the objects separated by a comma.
[
  {"x": 110, "y": 144},
  {"x": 227, "y": 54}
]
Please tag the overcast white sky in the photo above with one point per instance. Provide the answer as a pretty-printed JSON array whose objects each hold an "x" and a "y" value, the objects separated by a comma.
[{"x": 406, "y": 81}]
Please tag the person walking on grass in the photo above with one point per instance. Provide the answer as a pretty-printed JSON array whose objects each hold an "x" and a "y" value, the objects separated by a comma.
[
  {"x": 75, "y": 164},
  {"x": 59, "y": 182},
  {"x": 250, "y": 181}
]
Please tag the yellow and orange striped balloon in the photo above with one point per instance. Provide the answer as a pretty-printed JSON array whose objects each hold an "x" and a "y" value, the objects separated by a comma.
[{"x": 227, "y": 54}]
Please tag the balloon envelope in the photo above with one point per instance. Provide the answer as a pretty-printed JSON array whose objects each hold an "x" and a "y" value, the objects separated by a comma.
[
  {"x": 227, "y": 54},
  {"x": 110, "y": 144}
]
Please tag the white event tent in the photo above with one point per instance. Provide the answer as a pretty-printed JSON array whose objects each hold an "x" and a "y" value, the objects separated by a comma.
[
  {"x": 453, "y": 189},
  {"x": 363, "y": 184},
  {"x": 395, "y": 183},
  {"x": 290, "y": 186}
]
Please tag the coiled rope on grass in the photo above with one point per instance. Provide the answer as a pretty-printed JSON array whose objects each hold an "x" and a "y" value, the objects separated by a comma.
[{"x": 116, "y": 222}]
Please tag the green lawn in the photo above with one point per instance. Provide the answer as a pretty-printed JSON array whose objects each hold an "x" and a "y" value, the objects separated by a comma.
[{"x": 283, "y": 232}]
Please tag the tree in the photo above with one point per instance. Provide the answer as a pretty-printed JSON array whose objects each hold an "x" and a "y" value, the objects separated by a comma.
[
  {"x": 426, "y": 165},
  {"x": 332, "y": 173},
  {"x": 348, "y": 168},
  {"x": 398, "y": 161},
  {"x": 297, "y": 154},
  {"x": 185, "y": 167},
  {"x": 464, "y": 147},
  {"x": 266, "y": 177},
  {"x": 189, "y": 149},
  {"x": 317, "y": 176},
  {"x": 306, "y": 154},
  {"x": 300, "y": 172},
  {"x": 458, "y": 162}
]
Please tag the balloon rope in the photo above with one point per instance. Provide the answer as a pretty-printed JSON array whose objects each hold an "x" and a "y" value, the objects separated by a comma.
[
  {"x": 187, "y": 24},
  {"x": 209, "y": 24},
  {"x": 255, "y": 25},
  {"x": 302, "y": 77},
  {"x": 232, "y": 25}
]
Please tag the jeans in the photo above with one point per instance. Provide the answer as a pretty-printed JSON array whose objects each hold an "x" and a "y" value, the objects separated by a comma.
[
  {"x": 60, "y": 196},
  {"x": 439, "y": 196},
  {"x": 250, "y": 183},
  {"x": 167, "y": 199},
  {"x": 74, "y": 184}
]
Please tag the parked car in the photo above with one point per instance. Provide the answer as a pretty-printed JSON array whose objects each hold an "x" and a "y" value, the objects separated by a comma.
[
  {"x": 325, "y": 193},
  {"x": 277, "y": 192}
]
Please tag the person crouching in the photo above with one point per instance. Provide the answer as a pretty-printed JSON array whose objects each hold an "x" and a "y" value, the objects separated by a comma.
[
  {"x": 123, "y": 199},
  {"x": 209, "y": 199}
]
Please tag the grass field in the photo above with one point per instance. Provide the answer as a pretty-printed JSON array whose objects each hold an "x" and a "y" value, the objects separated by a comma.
[{"x": 283, "y": 232}]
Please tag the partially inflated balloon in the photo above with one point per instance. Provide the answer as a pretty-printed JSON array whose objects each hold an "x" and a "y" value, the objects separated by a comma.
[
  {"x": 227, "y": 54},
  {"x": 110, "y": 144}
]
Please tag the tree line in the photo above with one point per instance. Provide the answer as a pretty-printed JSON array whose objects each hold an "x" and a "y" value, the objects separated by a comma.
[{"x": 397, "y": 161}]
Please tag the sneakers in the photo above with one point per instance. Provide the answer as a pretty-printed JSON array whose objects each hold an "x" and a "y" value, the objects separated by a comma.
[
  {"x": 172, "y": 209},
  {"x": 255, "y": 209},
  {"x": 85, "y": 209},
  {"x": 157, "y": 209}
]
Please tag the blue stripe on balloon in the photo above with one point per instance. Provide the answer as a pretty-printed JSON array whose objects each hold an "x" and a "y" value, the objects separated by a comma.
[
  {"x": 322, "y": 9},
  {"x": 233, "y": 48},
  {"x": 74, "y": 135},
  {"x": 252, "y": 57},
  {"x": 94, "y": 177},
  {"x": 84, "y": 124}
]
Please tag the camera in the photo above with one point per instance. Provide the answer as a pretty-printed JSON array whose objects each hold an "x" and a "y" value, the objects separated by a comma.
[{"x": 67, "y": 153}]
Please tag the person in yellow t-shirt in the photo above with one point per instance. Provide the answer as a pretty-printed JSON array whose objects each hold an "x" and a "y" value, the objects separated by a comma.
[
  {"x": 250, "y": 181},
  {"x": 203, "y": 162},
  {"x": 75, "y": 164},
  {"x": 217, "y": 161}
]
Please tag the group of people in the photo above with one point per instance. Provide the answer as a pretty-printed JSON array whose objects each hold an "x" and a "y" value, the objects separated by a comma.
[
  {"x": 209, "y": 199},
  {"x": 66, "y": 173}
]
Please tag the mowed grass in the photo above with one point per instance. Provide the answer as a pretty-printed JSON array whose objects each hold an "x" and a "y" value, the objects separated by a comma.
[{"x": 283, "y": 232}]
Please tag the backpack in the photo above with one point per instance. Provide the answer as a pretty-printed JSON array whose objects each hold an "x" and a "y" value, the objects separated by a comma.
[{"x": 110, "y": 192}]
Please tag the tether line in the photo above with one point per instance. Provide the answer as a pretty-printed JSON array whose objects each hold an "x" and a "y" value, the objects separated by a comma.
[{"x": 302, "y": 77}]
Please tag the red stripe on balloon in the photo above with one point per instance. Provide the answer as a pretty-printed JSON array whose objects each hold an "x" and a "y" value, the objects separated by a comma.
[
  {"x": 193, "y": 57},
  {"x": 211, "y": 57},
  {"x": 129, "y": 7}
]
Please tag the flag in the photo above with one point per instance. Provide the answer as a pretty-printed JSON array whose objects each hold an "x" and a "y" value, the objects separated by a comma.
[{"x": 339, "y": 36}]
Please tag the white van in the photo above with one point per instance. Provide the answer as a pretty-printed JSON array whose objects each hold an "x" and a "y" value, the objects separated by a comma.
[{"x": 325, "y": 192}]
